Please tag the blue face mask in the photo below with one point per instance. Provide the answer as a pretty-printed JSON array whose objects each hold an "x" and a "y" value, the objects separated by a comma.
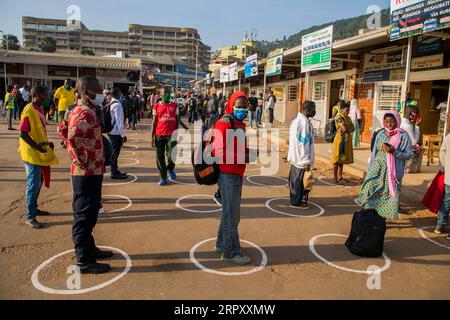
[{"x": 240, "y": 114}]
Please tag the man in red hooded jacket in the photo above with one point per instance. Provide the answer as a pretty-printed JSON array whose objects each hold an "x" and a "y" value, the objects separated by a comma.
[{"x": 231, "y": 154}]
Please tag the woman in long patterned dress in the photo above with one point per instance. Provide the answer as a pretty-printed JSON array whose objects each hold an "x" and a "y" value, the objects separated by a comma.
[
  {"x": 343, "y": 144},
  {"x": 381, "y": 188}
]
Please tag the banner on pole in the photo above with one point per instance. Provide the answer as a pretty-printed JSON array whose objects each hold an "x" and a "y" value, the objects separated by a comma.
[
  {"x": 316, "y": 50},
  {"x": 224, "y": 74},
  {"x": 233, "y": 71},
  {"x": 274, "y": 63},
  {"x": 251, "y": 66},
  {"x": 414, "y": 17}
]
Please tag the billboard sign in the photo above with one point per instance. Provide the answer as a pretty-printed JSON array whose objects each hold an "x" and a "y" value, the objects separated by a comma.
[
  {"x": 251, "y": 66},
  {"x": 316, "y": 50},
  {"x": 274, "y": 63},
  {"x": 415, "y": 17}
]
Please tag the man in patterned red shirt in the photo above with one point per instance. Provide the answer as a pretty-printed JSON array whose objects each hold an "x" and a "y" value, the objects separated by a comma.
[{"x": 85, "y": 148}]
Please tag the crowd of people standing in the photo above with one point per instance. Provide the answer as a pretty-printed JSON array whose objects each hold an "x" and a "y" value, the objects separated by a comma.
[{"x": 91, "y": 124}]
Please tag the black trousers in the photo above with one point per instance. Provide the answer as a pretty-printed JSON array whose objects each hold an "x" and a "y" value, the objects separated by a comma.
[
  {"x": 117, "y": 143},
  {"x": 87, "y": 195},
  {"x": 296, "y": 187},
  {"x": 271, "y": 116}
]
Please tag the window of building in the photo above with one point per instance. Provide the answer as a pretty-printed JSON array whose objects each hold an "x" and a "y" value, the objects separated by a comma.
[
  {"x": 319, "y": 91},
  {"x": 30, "y": 26},
  {"x": 147, "y": 32},
  {"x": 50, "y": 27},
  {"x": 159, "y": 33},
  {"x": 170, "y": 34},
  {"x": 62, "y": 28},
  {"x": 389, "y": 96},
  {"x": 293, "y": 93}
]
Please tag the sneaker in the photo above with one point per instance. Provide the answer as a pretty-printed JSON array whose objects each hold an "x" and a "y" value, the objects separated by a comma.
[
  {"x": 162, "y": 183},
  {"x": 239, "y": 259},
  {"x": 94, "y": 268},
  {"x": 173, "y": 175},
  {"x": 34, "y": 224},
  {"x": 218, "y": 199},
  {"x": 42, "y": 213},
  {"x": 439, "y": 230},
  {"x": 101, "y": 211},
  {"x": 119, "y": 177}
]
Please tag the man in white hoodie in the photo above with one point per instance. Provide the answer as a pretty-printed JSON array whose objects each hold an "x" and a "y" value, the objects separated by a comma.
[{"x": 301, "y": 153}]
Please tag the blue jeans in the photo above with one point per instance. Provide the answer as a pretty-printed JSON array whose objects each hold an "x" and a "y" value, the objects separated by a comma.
[
  {"x": 34, "y": 185},
  {"x": 251, "y": 118},
  {"x": 228, "y": 237},
  {"x": 258, "y": 116},
  {"x": 442, "y": 218}
]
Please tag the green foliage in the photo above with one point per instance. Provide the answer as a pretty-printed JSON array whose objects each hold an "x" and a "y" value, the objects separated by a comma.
[
  {"x": 13, "y": 42},
  {"x": 343, "y": 29},
  {"x": 87, "y": 52},
  {"x": 47, "y": 44}
]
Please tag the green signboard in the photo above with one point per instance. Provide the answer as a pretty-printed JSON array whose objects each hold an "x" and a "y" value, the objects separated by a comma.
[{"x": 316, "y": 50}]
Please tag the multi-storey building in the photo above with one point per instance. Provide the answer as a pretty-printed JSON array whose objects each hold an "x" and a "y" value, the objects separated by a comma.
[{"x": 180, "y": 43}]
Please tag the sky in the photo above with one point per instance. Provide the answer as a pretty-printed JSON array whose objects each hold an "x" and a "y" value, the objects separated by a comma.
[{"x": 219, "y": 23}]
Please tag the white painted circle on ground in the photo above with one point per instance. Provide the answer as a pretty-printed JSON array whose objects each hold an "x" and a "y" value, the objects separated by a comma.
[
  {"x": 255, "y": 169},
  {"x": 321, "y": 213},
  {"x": 131, "y": 146},
  {"x": 184, "y": 183},
  {"x": 423, "y": 235},
  {"x": 179, "y": 206},
  {"x": 127, "y": 154},
  {"x": 249, "y": 179},
  {"x": 322, "y": 179},
  {"x": 41, "y": 287},
  {"x": 135, "y": 162},
  {"x": 221, "y": 273},
  {"x": 130, "y": 203},
  {"x": 122, "y": 183},
  {"x": 312, "y": 248}
]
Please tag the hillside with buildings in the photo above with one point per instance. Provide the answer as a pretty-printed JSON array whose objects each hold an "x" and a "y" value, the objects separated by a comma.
[{"x": 343, "y": 28}]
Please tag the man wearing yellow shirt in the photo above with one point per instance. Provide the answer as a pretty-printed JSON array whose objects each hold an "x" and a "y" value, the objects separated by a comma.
[{"x": 64, "y": 98}]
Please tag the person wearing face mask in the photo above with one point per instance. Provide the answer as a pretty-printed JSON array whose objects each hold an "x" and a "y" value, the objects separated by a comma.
[
  {"x": 391, "y": 149},
  {"x": 64, "y": 98},
  {"x": 231, "y": 157},
  {"x": 85, "y": 147},
  {"x": 301, "y": 153},
  {"x": 166, "y": 120},
  {"x": 36, "y": 153}
]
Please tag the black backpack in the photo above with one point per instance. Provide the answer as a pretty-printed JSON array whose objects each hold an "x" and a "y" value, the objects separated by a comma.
[
  {"x": 330, "y": 131},
  {"x": 108, "y": 123},
  {"x": 367, "y": 235},
  {"x": 205, "y": 173}
]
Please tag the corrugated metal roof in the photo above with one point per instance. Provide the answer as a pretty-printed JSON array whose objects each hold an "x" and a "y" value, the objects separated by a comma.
[{"x": 69, "y": 60}]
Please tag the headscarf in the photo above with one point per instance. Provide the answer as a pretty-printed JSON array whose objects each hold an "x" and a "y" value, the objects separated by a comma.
[
  {"x": 230, "y": 104},
  {"x": 395, "y": 140},
  {"x": 354, "y": 114}
]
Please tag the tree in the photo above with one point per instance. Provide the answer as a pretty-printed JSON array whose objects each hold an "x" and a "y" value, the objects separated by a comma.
[
  {"x": 87, "y": 52},
  {"x": 47, "y": 44},
  {"x": 13, "y": 42}
]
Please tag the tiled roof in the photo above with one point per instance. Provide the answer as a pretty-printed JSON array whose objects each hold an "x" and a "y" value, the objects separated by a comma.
[{"x": 70, "y": 60}]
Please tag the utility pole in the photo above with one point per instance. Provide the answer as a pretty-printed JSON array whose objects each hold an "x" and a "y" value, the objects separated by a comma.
[{"x": 196, "y": 63}]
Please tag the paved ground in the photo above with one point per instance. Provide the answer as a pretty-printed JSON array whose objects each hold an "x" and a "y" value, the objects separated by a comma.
[{"x": 158, "y": 237}]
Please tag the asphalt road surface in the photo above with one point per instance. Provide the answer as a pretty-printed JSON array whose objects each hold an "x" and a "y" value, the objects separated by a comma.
[{"x": 163, "y": 239}]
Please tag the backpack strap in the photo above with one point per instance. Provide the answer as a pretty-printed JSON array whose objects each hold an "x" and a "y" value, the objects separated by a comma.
[{"x": 374, "y": 140}]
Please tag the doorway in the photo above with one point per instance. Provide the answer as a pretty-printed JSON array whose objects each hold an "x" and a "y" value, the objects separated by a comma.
[{"x": 336, "y": 92}]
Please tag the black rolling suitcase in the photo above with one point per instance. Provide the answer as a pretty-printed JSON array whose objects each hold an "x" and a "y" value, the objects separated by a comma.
[{"x": 367, "y": 235}]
